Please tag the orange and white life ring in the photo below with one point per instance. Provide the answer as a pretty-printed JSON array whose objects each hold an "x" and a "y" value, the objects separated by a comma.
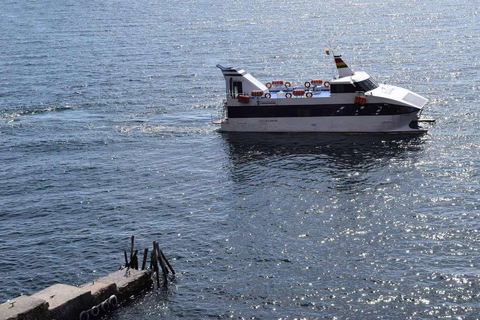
[
  {"x": 288, "y": 95},
  {"x": 298, "y": 92},
  {"x": 288, "y": 84},
  {"x": 268, "y": 95},
  {"x": 326, "y": 84},
  {"x": 309, "y": 94},
  {"x": 268, "y": 85},
  {"x": 307, "y": 84}
]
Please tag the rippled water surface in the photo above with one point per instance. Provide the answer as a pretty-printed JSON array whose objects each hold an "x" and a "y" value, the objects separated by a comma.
[{"x": 105, "y": 110}]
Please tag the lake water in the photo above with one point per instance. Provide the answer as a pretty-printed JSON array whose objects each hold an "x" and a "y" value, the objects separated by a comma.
[{"x": 105, "y": 132}]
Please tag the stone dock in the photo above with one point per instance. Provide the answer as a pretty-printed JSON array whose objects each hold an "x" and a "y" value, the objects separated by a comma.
[{"x": 89, "y": 301}]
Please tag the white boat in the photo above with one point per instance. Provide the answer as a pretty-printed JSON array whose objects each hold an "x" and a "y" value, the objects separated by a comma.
[{"x": 353, "y": 102}]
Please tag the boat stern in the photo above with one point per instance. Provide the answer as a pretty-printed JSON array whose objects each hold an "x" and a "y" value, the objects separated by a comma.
[{"x": 238, "y": 82}]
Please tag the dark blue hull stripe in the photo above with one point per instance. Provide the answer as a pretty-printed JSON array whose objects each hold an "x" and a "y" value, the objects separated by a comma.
[{"x": 337, "y": 110}]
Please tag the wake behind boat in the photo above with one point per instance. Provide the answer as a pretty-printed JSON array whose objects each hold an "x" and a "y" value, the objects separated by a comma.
[{"x": 353, "y": 102}]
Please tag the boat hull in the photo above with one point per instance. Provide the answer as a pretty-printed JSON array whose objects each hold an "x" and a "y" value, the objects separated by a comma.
[{"x": 342, "y": 124}]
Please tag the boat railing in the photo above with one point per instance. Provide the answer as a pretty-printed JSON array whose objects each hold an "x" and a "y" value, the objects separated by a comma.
[
  {"x": 220, "y": 114},
  {"x": 315, "y": 89}
]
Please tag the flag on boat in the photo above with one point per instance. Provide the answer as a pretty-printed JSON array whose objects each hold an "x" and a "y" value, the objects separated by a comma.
[
  {"x": 342, "y": 68},
  {"x": 340, "y": 63},
  {"x": 327, "y": 51}
]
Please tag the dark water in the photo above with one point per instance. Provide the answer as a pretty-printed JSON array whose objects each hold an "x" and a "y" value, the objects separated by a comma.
[{"x": 105, "y": 132}]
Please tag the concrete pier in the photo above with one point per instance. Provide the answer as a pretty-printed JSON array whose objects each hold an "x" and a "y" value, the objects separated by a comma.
[
  {"x": 129, "y": 282},
  {"x": 91, "y": 300},
  {"x": 24, "y": 308},
  {"x": 100, "y": 291},
  {"x": 64, "y": 302}
]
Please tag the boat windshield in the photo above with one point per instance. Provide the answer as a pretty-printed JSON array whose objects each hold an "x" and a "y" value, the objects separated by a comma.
[{"x": 367, "y": 85}]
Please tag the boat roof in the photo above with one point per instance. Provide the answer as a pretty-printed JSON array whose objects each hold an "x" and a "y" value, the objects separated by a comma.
[
  {"x": 356, "y": 77},
  {"x": 239, "y": 72}
]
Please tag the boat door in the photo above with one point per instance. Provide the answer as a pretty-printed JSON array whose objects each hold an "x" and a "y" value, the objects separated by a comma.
[{"x": 237, "y": 88}]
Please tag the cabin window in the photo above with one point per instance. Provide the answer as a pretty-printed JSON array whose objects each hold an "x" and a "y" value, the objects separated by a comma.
[
  {"x": 367, "y": 85},
  {"x": 342, "y": 88}
]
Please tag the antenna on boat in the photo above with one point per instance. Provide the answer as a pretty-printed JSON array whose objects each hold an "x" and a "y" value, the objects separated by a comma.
[{"x": 329, "y": 52}]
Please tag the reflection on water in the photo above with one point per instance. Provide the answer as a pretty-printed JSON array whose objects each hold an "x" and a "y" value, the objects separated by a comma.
[
  {"x": 334, "y": 150},
  {"x": 288, "y": 164}
]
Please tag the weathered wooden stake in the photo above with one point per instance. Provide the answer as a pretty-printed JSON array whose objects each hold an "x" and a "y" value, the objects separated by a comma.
[
  {"x": 134, "y": 261},
  {"x": 157, "y": 257},
  {"x": 162, "y": 264},
  {"x": 166, "y": 261},
  {"x": 126, "y": 259},
  {"x": 151, "y": 260},
  {"x": 144, "y": 262},
  {"x": 161, "y": 261},
  {"x": 131, "y": 247},
  {"x": 155, "y": 265}
]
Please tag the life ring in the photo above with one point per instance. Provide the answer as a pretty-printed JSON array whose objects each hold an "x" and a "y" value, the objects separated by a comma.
[
  {"x": 309, "y": 94},
  {"x": 288, "y": 95},
  {"x": 326, "y": 84},
  {"x": 113, "y": 301},
  {"x": 84, "y": 315},
  {"x": 307, "y": 84},
  {"x": 268, "y": 85},
  {"x": 268, "y": 95},
  {"x": 95, "y": 311},
  {"x": 288, "y": 84}
]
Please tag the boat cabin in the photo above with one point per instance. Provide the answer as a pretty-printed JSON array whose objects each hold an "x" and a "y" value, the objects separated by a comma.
[
  {"x": 239, "y": 82},
  {"x": 359, "y": 81}
]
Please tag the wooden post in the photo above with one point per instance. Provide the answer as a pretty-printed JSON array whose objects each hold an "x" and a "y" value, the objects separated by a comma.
[
  {"x": 131, "y": 247},
  {"x": 151, "y": 259},
  {"x": 145, "y": 253},
  {"x": 134, "y": 261},
  {"x": 126, "y": 259},
  {"x": 162, "y": 264},
  {"x": 160, "y": 259},
  {"x": 155, "y": 265},
  {"x": 168, "y": 264}
]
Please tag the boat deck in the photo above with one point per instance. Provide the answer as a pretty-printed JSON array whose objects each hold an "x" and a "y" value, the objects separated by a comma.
[{"x": 280, "y": 94}]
